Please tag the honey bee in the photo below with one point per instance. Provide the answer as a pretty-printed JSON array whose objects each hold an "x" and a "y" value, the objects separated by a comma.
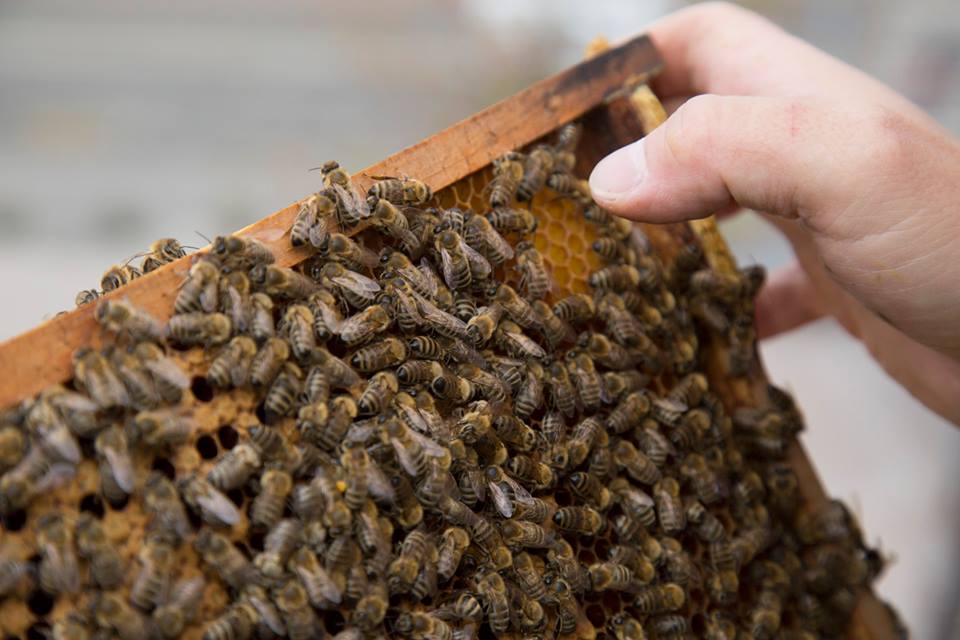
[
  {"x": 413, "y": 372},
  {"x": 236, "y": 623},
  {"x": 608, "y": 353},
  {"x": 346, "y": 251},
  {"x": 151, "y": 586},
  {"x": 161, "y": 501},
  {"x": 280, "y": 282},
  {"x": 493, "y": 592},
  {"x": 386, "y": 353},
  {"x": 567, "y": 609},
  {"x": 660, "y": 598},
  {"x": 267, "y": 507},
  {"x": 231, "y": 367},
  {"x": 536, "y": 167},
  {"x": 199, "y": 329},
  {"x": 461, "y": 263},
  {"x": 283, "y": 393},
  {"x": 626, "y": 627},
  {"x": 576, "y": 308},
  {"x": 519, "y": 534},
  {"x": 378, "y": 393},
  {"x": 59, "y": 571},
  {"x": 357, "y": 290},
  {"x": 371, "y": 609},
  {"x": 399, "y": 191},
  {"x": 339, "y": 373},
  {"x": 235, "y": 467},
  {"x": 481, "y": 326},
  {"x": 163, "y": 251},
  {"x": 117, "y": 477},
  {"x": 220, "y": 553},
  {"x": 705, "y": 482},
  {"x": 588, "y": 382},
  {"x": 666, "y": 494},
  {"x": 421, "y": 625},
  {"x": 261, "y": 317},
  {"x": 509, "y": 220},
  {"x": 453, "y": 542},
  {"x": 86, "y": 297},
  {"x": 571, "y": 187},
  {"x": 214, "y": 507},
  {"x": 97, "y": 378},
  {"x": 313, "y": 217},
  {"x": 579, "y": 520},
  {"x": 406, "y": 566},
  {"x": 13, "y": 446},
  {"x": 236, "y": 252},
  {"x": 590, "y": 489},
  {"x": 530, "y": 395},
  {"x": 200, "y": 291},
  {"x": 363, "y": 326},
  {"x": 321, "y": 588},
  {"x": 637, "y": 465},
  {"x": 629, "y": 412},
  {"x": 118, "y": 276},
  {"x": 394, "y": 224},
  {"x": 267, "y": 363},
  {"x": 765, "y": 616},
  {"x": 615, "y": 278},
  {"x": 181, "y": 608},
  {"x": 161, "y": 429},
  {"x": 122, "y": 318},
  {"x": 528, "y": 577},
  {"x": 708, "y": 526},
  {"x": 507, "y": 174},
  {"x": 510, "y": 337},
  {"x": 294, "y": 604},
  {"x": 672, "y": 627},
  {"x": 110, "y": 611},
  {"x": 170, "y": 380},
  {"x": 480, "y": 234},
  {"x": 563, "y": 393},
  {"x": 140, "y": 387}
]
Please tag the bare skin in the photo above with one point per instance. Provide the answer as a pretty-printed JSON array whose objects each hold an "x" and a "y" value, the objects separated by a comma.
[{"x": 864, "y": 184}]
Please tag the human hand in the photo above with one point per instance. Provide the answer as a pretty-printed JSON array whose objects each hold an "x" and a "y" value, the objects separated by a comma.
[{"x": 864, "y": 185}]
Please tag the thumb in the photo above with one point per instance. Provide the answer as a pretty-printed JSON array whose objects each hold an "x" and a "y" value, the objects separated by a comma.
[{"x": 711, "y": 153}]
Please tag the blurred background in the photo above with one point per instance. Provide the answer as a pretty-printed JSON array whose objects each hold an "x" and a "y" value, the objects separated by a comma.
[{"x": 124, "y": 122}]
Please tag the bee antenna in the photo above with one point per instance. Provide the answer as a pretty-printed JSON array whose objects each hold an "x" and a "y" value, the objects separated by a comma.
[{"x": 203, "y": 236}]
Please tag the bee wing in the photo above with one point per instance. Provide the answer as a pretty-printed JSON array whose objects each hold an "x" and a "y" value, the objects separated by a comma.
[
  {"x": 121, "y": 466},
  {"x": 446, "y": 263},
  {"x": 168, "y": 371},
  {"x": 493, "y": 238},
  {"x": 268, "y": 615},
  {"x": 417, "y": 277},
  {"x": 56, "y": 475},
  {"x": 351, "y": 329},
  {"x": 379, "y": 484},
  {"x": 209, "y": 296},
  {"x": 62, "y": 442},
  {"x": 404, "y": 457},
  {"x": 328, "y": 588},
  {"x": 215, "y": 503},
  {"x": 430, "y": 275},
  {"x": 352, "y": 200},
  {"x": 430, "y": 447},
  {"x": 357, "y": 283},
  {"x": 640, "y": 498},
  {"x": 477, "y": 483},
  {"x": 74, "y": 402},
  {"x": 519, "y": 493},
  {"x": 415, "y": 418},
  {"x": 479, "y": 266},
  {"x": 409, "y": 304},
  {"x": 464, "y": 353},
  {"x": 433, "y": 313},
  {"x": 525, "y": 344},
  {"x": 66, "y": 567},
  {"x": 501, "y": 500}
]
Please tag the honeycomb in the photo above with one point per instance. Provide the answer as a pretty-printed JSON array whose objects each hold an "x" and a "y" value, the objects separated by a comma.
[{"x": 223, "y": 418}]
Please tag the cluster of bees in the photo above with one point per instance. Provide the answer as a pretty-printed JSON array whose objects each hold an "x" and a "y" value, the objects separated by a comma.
[
  {"x": 161, "y": 252},
  {"x": 444, "y": 448}
]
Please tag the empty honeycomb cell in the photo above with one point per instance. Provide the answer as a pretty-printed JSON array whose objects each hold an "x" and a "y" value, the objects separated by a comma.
[
  {"x": 201, "y": 389},
  {"x": 207, "y": 447},
  {"x": 227, "y": 436}
]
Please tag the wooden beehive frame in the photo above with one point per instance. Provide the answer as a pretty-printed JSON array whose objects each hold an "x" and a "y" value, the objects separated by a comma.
[{"x": 611, "y": 83}]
